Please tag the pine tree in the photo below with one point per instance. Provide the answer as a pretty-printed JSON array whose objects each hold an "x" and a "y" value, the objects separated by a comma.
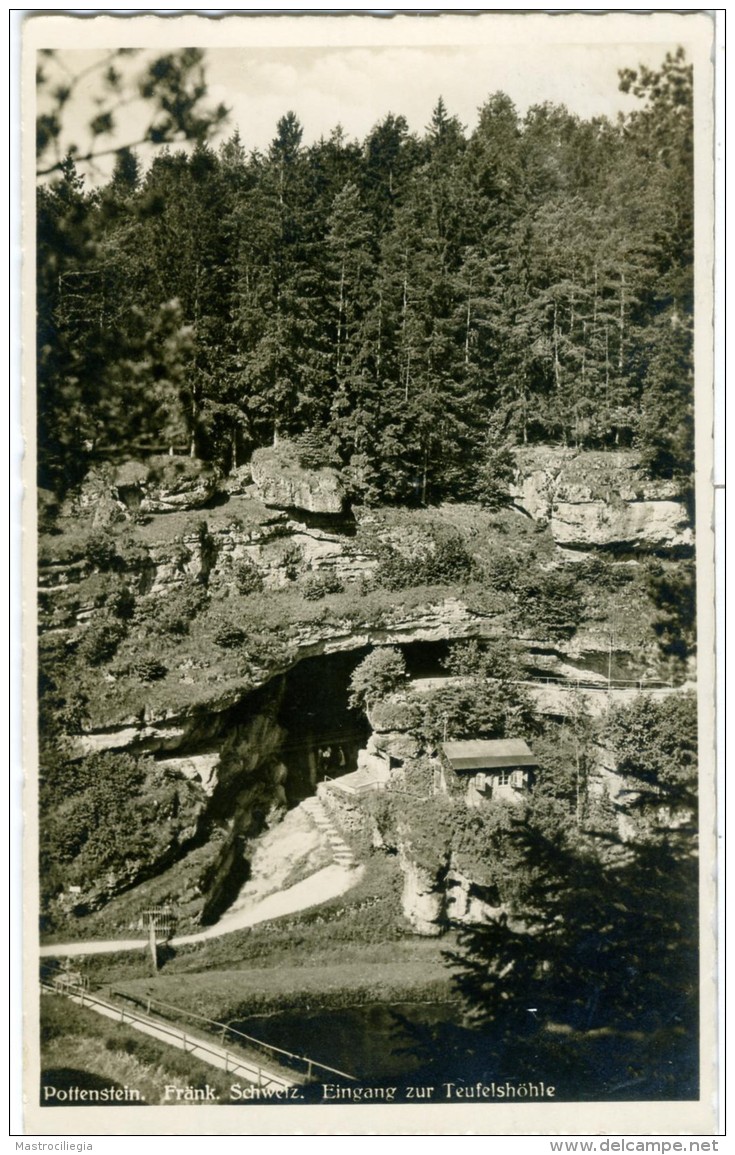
[{"x": 596, "y": 979}]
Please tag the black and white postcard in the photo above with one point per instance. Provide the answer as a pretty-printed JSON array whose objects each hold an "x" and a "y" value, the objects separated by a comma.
[{"x": 370, "y": 778}]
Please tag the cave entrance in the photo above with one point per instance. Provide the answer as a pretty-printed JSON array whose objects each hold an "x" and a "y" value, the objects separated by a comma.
[
  {"x": 425, "y": 659},
  {"x": 323, "y": 734}
]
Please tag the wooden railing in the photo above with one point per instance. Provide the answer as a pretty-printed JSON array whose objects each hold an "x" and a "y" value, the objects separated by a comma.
[
  {"x": 158, "y": 1015},
  {"x": 225, "y": 1030},
  {"x": 234, "y": 1064}
]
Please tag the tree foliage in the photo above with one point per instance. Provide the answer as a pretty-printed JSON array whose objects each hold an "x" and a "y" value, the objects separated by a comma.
[
  {"x": 110, "y": 815},
  {"x": 380, "y": 673},
  {"x": 412, "y": 305},
  {"x": 655, "y": 745},
  {"x": 598, "y": 978},
  {"x": 171, "y": 88}
]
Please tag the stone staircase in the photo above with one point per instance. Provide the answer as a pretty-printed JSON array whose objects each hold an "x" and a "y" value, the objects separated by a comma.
[{"x": 341, "y": 852}]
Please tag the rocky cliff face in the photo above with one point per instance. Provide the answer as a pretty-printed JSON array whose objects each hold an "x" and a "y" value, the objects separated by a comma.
[
  {"x": 229, "y": 747},
  {"x": 604, "y": 500},
  {"x": 196, "y": 727},
  {"x": 223, "y": 775}
]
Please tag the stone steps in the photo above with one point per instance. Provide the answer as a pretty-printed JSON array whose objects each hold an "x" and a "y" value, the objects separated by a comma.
[{"x": 341, "y": 852}]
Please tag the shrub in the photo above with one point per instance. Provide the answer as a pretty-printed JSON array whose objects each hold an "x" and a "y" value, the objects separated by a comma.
[
  {"x": 550, "y": 604},
  {"x": 396, "y": 572},
  {"x": 226, "y": 633},
  {"x": 110, "y": 591},
  {"x": 230, "y": 637},
  {"x": 318, "y": 586},
  {"x": 404, "y": 713},
  {"x": 100, "y": 549},
  {"x": 48, "y": 509},
  {"x": 379, "y": 674},
  {"x": 673, "y": 592},
  {"x": 131, "y": 554},
  {"x": 110, "y": 812},
  {"x": 148, "y": 669},
  {"x": 292, "y": 561},
  {"x": 655, "y": 742},
  {"x": 100, "y": 640},
  {"x": 173, "y": 615},
  {"x": 500, "y": 660},
  {"x": 450, "y": 562},
  {"x": 69, "y": 715},
  {"x": 248, "y": 577},
  {"x": 604, "y": 574},
  {"x": 446, "y": 562},
  {"x": 503, "y": 572}
]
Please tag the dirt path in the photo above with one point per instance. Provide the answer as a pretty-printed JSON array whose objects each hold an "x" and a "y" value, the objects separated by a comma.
[{"x": 327, "y": 883}]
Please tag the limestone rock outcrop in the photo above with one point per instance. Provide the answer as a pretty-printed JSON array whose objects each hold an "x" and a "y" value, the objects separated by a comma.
[
  {"x": 654, "y": 525},
  {"x": 165, "y": 484},
  {"x": 594, "y": 499},
  {"x": 284, "y": 483},
  {"x": 423, "y": 899},
  {"x": 200, "y": 768}
]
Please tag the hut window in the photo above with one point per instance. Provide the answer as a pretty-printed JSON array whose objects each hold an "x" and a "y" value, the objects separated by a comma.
[{"x": 504, "y": 777}]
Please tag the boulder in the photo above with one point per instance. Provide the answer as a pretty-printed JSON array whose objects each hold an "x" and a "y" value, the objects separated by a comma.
[
  {"x": 394, "y": 744},
  {"x": 108, "y": 512},
  {"x": 595, "y": 499},
  {"x": 285, "y": 484},
  {"x": 374, "y": 765},
  {"x": 464, "y": 902},
  {"x": 240, "y": 481},
  {"x": 201, "y": 768},
  {"x": 165, "y": 484},
  {"x": 163, "y": 501}
]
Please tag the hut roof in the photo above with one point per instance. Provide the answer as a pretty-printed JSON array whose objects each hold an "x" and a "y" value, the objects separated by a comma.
[{"x": 488, "y": 754}]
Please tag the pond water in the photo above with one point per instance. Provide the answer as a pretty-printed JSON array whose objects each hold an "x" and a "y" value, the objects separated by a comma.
[{"x": 367, "y": 1042}]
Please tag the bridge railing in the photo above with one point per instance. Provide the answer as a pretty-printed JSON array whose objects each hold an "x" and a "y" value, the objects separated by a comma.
[
  {"x": 234, "y": 1064},
  {"x": 302, "y": 1063},
  {"x": 603, "y": 684}
]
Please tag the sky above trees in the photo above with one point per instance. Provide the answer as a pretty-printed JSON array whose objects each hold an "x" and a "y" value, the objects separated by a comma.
[{"x": 357, "y": 86}]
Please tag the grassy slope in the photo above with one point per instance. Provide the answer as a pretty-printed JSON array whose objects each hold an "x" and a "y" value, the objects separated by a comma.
[
  {"x": 79, "y": 1041},
  {"x": 396, "y": 972},
  {"x": 356, "y": 947},
  {"x": 354, "y": 950}
]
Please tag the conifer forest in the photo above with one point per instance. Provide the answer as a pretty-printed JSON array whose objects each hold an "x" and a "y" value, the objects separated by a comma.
[{"x": 411, "y": 304}]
